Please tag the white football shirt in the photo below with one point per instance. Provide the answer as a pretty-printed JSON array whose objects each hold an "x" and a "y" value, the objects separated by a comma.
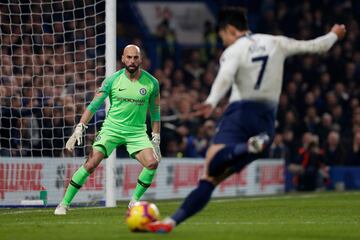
[{"x": 253, "y": 66}]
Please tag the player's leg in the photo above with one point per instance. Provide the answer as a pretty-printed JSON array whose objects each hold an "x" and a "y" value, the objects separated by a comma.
[
  {"x": 201, "y": 195},
  {"x": 148, "y": 161},
  {"x": 223, "y": 159},
  {"x": 78, "y": 180},
  {"x": 104, "y": 144},
  {"x": 195, "y": 201},
  {"x": 140, "y": 147},
  {"x": 81, "y": 175},
  {"x": 221, "y": 162},
  {"x": 231, "y": 154},
  {"x": 245, "y": 129}
]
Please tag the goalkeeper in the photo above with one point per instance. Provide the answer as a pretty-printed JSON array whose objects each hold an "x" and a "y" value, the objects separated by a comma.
[{"x": 132, "y": 91}]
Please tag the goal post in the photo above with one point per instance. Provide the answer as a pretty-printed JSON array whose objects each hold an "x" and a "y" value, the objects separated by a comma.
[{"x": 110, "y": 53}]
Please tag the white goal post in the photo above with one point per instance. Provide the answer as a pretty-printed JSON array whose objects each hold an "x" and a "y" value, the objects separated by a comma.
[{"x": 110, "y": 54}]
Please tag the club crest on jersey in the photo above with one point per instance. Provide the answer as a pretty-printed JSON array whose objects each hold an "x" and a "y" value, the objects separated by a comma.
[{"x": 142, "y": 91}]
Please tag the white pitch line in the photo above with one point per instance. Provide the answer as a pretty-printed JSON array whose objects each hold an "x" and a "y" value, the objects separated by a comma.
[
  {"x": 56, "y": 223},
  {"x": 274, "y": 223},
  {"x": 260, "y": 198},
  {"x": 43, "y": 210}
]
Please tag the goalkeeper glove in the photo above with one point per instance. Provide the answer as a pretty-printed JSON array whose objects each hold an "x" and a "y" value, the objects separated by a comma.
[
  {"x": 76, "y": 137},
  {"x": 156, "y": 144}
]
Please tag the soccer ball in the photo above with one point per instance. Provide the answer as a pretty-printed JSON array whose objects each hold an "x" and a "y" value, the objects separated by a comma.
[{"x": 140, "y": 214}]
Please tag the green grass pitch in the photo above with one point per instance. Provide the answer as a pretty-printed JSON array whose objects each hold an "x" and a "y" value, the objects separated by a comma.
[{"x": 328, "y": 216}]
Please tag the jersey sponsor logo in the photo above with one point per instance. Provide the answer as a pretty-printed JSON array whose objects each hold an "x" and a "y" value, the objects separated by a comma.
[
  {"x": 122, "y": 89},
  {"x": 131, "y": 100},
  {"x": 142, "y": 91}
]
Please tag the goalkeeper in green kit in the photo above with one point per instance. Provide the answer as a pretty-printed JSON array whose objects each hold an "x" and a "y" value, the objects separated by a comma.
[{"x": 132, "y": 91}]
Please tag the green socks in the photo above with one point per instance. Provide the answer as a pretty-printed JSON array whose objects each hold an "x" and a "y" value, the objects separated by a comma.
[
  {"x": 78, "y": 179},
  {"x": 144, "y": 181}
]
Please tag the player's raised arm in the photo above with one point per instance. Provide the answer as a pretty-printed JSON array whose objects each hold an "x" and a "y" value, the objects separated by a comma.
[
  {"x": 317, "y": 45},
  {"x": 223, "y": 81},
  {"x": 225, "y": 77},
  {"x": 89, "y": 112}
]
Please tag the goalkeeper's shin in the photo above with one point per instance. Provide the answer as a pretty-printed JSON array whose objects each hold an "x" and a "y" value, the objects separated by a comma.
[
  {"x": 77, "y": 181},
  {"x": 144, "y": 181}
]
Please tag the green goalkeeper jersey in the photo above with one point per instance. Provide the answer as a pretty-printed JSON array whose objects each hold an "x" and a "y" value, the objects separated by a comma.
[{"x": 129, "y": 100}]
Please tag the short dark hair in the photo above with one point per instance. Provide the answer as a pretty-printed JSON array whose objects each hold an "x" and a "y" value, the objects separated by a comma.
[{"x": 235, "y": 16}]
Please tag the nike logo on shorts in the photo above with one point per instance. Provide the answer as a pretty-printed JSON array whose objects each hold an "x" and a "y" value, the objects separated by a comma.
[{"x": 122, "y": 89}]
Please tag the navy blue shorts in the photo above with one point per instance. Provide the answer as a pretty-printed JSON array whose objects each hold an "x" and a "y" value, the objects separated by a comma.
[{"x": 244, "y": 119}]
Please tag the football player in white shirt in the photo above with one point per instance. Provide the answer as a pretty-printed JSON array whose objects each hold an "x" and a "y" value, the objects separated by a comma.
[{"x": 252, "y": 66}]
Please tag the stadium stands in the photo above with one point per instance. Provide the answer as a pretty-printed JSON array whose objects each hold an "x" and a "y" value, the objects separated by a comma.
[{"x": 321, "y": 93}]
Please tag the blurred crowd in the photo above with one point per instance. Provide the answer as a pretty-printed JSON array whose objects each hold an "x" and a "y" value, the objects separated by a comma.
[
  {"x": 49, "y": 75},
  {"x": 320, "y": 93}
]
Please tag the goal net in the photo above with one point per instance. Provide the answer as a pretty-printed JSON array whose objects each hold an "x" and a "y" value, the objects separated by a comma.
[{"x": 52, "y": 60}]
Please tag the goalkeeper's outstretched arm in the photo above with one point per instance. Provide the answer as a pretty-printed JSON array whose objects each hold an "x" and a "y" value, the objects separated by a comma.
[
  {"x": 155, "y": 120},
  {"x": 85, "y": 118},
  {"x": 155, "y": 114}
]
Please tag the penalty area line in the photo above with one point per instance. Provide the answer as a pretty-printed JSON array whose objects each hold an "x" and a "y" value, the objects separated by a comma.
[
  {"x": 274, "y": 223},
  {"x": 14, "y": 212}
]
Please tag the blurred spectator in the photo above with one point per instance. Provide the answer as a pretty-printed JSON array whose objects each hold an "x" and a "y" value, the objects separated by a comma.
[
  {"x": 193, "y": 68},
  {"x": 204, "y": 136},
  {"x": 187, "y": 146},
  {"x": 309, "y": 101},
  {"x": 292, "y": 121},
  {"x": 283, "y": 107},
  {"x": 278, "y": 149},
  {"x": 311, "y": 120},
  {"x": 291, "y": 144},
  {"x": 338, "y": 117},
  {"x": 324, "y": 127},
  {"x": 166, "y": 38},
  {"x": 171, "y": 141},
  {"x": 353, "y": 158},
  {"x": 309, "y": 168},
  {"x": 210, "y": 40},
  {"x": 334, "y": 152}
]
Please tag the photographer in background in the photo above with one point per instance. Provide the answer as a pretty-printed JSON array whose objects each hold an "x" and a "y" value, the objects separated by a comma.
[{"x": 309, "y": 166}]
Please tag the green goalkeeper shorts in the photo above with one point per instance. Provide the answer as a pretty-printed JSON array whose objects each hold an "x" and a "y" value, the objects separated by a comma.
[{"x": 109, "y": 139}]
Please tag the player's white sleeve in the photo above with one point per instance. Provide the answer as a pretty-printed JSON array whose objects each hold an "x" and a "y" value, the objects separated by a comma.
[
  {"x": 224, "y": 79},
  {"x": 317, "y": 45}
]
